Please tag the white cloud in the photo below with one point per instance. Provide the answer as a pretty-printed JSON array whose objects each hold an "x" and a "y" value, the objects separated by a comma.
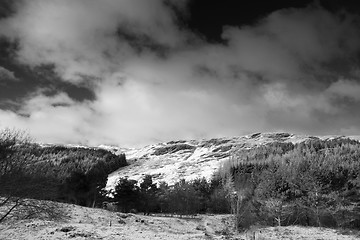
[{"x": 80, "y": 37}]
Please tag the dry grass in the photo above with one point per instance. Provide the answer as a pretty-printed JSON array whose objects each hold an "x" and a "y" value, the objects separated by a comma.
[{"x": 87, "y": 223}]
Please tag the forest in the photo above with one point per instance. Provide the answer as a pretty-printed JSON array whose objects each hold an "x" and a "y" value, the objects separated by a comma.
[
  {"x": 56, "y": 173},
  {"x": 312, "y": 183}
]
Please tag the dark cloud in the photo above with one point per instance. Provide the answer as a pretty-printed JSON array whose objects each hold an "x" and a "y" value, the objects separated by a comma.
[
  {"x": 6, "y": 75},
  {"x": 8, "y": 7}
]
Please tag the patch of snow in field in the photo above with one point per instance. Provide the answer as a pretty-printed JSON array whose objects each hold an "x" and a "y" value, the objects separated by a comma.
[{"x": 92, "y": 223}]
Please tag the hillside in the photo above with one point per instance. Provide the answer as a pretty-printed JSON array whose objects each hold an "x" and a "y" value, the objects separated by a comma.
[
  {"x": 174, "y": 160},
  {"x": 190, "y": 159}
]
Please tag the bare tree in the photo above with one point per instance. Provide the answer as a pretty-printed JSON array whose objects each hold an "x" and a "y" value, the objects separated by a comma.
[{"x": 19, "y": 184}]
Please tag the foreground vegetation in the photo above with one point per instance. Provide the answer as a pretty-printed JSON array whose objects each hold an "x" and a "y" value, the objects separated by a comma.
[{"x": 94, "y": 223}]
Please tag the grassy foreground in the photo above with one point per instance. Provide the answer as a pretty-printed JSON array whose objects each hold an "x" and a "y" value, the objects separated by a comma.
[{"x": 90, "y": 223}]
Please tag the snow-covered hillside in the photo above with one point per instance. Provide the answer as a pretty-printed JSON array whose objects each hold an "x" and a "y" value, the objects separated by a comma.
[{"x": 174, "y": 160}]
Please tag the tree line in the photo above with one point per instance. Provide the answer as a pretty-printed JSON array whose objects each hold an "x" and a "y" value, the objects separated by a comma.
[
  {"x": 71, "y": 175},
  {"x": 313, "y": 183},
  {"x": 182, "y": 198},
  {"x": 80, "y": 174}
]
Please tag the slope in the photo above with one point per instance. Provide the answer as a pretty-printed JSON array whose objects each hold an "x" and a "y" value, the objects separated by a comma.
[{"x": 192, "y": 159}]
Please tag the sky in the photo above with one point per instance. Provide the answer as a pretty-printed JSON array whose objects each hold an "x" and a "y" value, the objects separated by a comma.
[{"x": 137, "y": 72}]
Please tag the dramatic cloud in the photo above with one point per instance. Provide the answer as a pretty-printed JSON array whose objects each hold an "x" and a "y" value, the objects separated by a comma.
[
  {"x": 155, "y": 81},
  {"x": 86, "y": 36}
]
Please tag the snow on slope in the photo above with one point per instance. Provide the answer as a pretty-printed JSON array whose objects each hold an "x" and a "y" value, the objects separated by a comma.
[
  {"x": 191, "y": 159},
  {"x": 174, "y": 160}
]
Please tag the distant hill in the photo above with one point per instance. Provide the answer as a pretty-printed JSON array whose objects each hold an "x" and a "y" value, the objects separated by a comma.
[
  {"x": 188, "y": 159},
  {"x": 175, "y": 160}
]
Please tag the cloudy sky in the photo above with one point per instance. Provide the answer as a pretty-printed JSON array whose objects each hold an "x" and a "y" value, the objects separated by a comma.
[{"x": 135, "y": 72}]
